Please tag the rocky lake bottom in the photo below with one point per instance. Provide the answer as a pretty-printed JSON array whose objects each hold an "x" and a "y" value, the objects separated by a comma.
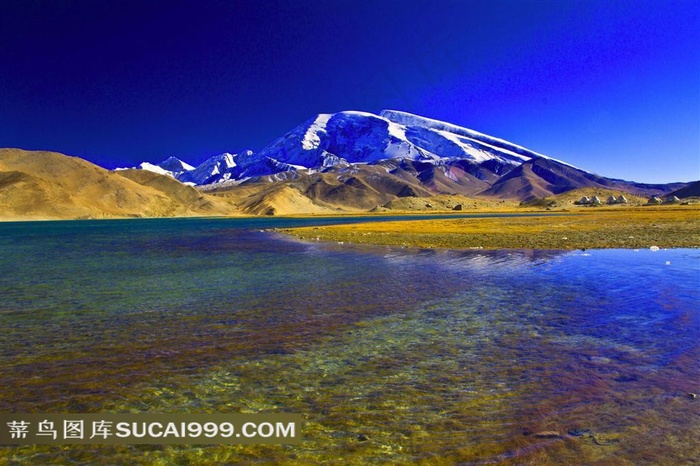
[{"x": 392, "y": 355}]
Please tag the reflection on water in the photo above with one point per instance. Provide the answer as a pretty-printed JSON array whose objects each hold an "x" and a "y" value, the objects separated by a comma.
[{"x": 392, "y": 355}]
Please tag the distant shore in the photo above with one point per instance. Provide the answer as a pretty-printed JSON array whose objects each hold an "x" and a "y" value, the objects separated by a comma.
[
  {"x": 631, "y": 227},
  {"x": 585, "y": 228}
]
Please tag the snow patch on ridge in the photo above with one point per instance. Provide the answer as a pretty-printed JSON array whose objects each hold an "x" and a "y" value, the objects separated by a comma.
[
  {"x": 498, "y": 144},
  {"x": 399, "y": 132},
  {"x": 154, "y": 168},
  {"x": 349, "y": 138},
  {"x": 311, "y": 138},
  {"x": 175, "y": 165},
  {"x": 409, "y": 119}
]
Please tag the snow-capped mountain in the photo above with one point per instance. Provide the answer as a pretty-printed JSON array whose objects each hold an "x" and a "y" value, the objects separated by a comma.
[
  {"x": 362, "y": 159},
  {"x": 351, "y": 137},
  {"x": 341, "y": 162},
  {"x": 214, "y": 169},
  {"x": 171, "y": 166},
  {"x": 175, "y": 165}
]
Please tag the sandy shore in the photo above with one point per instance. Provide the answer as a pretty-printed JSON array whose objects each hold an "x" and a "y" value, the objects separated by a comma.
[{"x": 585, "y": 228}]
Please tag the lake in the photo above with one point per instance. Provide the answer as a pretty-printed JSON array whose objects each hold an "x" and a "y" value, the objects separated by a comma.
[{"x": 392, "y": 355}]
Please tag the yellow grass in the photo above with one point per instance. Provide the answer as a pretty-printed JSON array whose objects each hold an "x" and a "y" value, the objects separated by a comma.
[{"x": 632, "y": 227}]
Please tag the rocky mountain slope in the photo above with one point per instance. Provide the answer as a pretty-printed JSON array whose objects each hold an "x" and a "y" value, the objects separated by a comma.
[
  {"x": 358, "y": 160},
  {"x": 691, "y": 190},
  {"x": 48, "y": 185},
  {"x": 350, "y": 138},
  {"x": 347, "y": 161}
]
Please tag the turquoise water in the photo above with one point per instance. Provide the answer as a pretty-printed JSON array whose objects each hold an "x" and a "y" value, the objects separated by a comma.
[{"x": 392, "y": 355}]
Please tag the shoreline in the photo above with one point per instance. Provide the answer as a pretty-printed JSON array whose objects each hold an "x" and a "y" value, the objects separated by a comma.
[
  {"x": 621, "y": 227},
  {"x": 629, "y": 228}
]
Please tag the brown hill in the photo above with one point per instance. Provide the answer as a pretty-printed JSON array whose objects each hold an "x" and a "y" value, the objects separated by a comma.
[
  {"x": 352, "y": 189},
  {"x": 459, "y": 177},
  {"x": 692, "y": 190},
  {"x": 282, "y": 200},
  {"x": 49, "y": 185},
  {"x": 410, "y": 185},
  {"x": 360, "y": 187},
  {"x": 266, "y": 198},
  {"x": 191, "y": 198},
  {"x": 540, "y": 177}
]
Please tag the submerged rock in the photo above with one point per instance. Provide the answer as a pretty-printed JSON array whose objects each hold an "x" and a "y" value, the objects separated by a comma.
[
  {"x": 605, "y": 439},
  {"x": 626, "y": 378},
  {"x": 548, "y": 434}
]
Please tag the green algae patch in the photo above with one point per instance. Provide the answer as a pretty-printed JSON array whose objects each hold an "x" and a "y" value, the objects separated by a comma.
[{"x": 639, "y": 227}]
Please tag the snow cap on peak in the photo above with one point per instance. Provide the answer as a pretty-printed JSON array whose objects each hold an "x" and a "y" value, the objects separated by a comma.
[
  {"x": 409, "y": 119},
  {"x": 175, "y": 165}
]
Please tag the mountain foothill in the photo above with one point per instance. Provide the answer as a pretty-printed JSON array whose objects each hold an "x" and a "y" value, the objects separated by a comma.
[{"x": 346, "y": 162}]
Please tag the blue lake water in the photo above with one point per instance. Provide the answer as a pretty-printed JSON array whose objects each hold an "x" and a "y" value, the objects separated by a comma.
[{"x": 392, "y": 355}]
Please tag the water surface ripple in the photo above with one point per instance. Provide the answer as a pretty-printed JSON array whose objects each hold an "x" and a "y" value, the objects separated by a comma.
[{"x": 392, "y": 355}]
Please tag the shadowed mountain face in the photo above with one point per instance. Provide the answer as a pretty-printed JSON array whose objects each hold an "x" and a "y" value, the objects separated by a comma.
[
  {"x": 347, "y": 161},
  {"x": 540, "y": 178},
  {"x": 396, "y": 154},
  {"x": 349, "y": 138},
  {"x": 691, "y": 190}
]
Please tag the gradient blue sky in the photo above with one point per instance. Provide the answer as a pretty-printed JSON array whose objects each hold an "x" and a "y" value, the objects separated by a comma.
[{"x": 612, "y": 87}]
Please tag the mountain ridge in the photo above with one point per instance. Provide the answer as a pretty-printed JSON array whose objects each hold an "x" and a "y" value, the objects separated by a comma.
[
  {"x": 441, "y": 157},
  {"x": 347, "y": 161},
  {"x": 49, "y": 185},
  {"x": 351, "y": 137}
]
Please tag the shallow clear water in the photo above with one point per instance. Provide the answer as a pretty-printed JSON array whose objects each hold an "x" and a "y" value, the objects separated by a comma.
[{"x": 435, "y": 356}]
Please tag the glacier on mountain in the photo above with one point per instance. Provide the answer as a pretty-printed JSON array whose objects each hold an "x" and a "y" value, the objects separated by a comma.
[
  {"x": 175, "y": 165},
  {"x": 352, "y": 137},
  {"x": 328, "y": 140},
  {"x": 214, "y": 169}
]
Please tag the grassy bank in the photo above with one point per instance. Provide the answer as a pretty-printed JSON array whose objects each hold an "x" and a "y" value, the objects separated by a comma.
[{"x": 585, "y": 228}]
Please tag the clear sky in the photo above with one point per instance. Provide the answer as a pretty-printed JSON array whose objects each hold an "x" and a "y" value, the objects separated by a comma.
[{"x": 611, "y": 86}]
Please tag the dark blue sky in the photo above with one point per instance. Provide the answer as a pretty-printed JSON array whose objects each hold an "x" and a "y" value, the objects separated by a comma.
[{"x": 610, "y": 86}]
